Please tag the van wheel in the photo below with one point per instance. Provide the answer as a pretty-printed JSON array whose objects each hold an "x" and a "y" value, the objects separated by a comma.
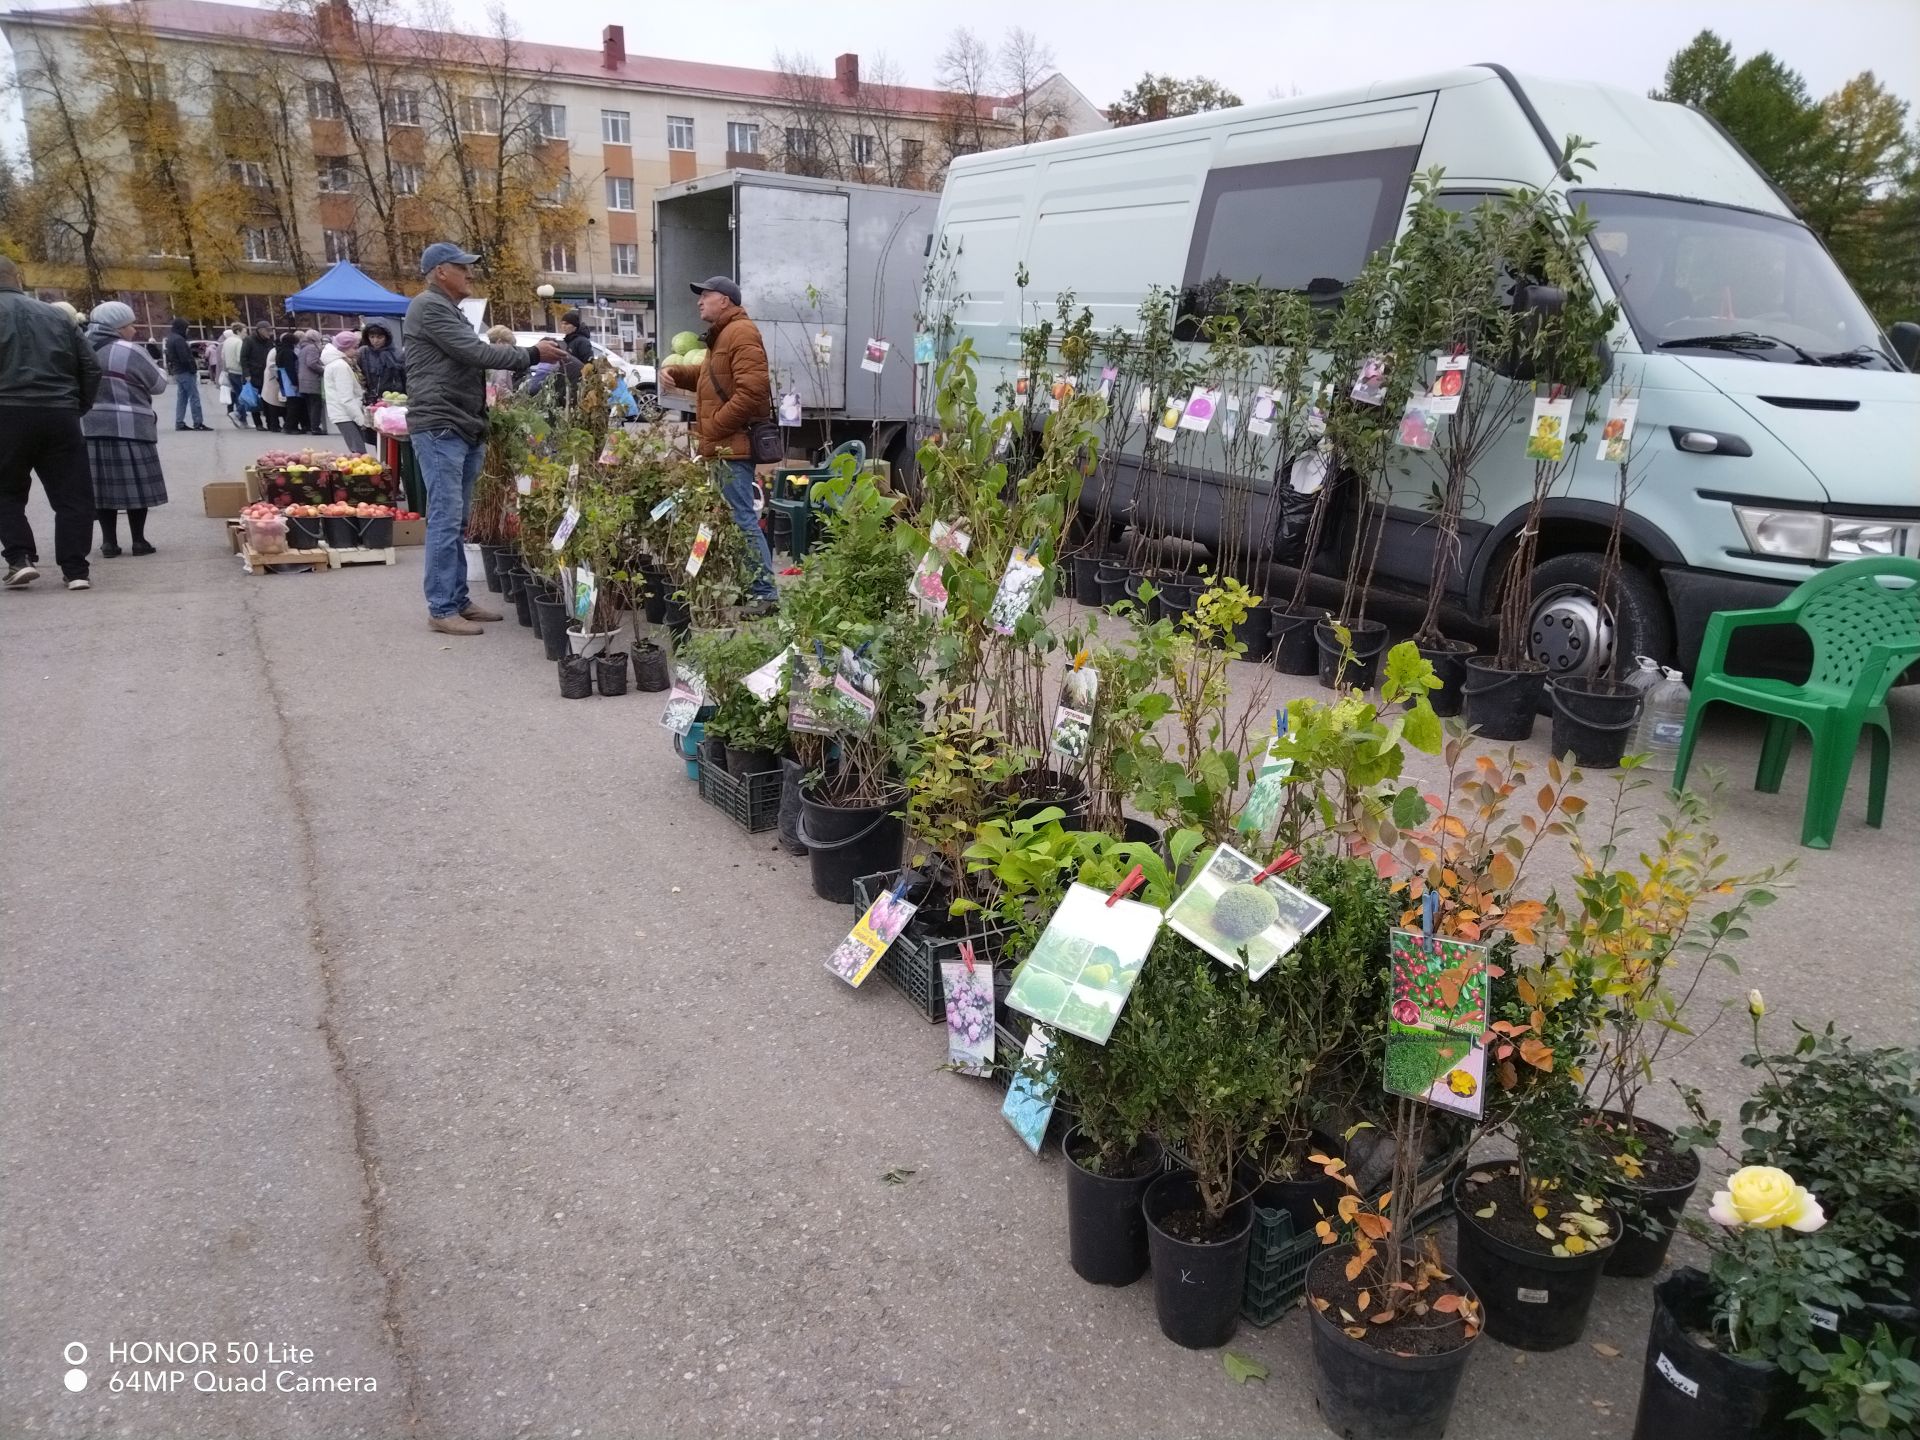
[
  {"x": 646, "y": 401},
  {"x": 1570, "y": 634}
]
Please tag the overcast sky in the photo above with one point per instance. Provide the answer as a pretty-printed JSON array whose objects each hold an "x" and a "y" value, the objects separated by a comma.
[{"x": 1260, "y": 48}]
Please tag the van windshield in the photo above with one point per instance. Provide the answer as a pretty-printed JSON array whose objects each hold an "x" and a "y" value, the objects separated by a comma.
[{"x": 1705, "y": 278}]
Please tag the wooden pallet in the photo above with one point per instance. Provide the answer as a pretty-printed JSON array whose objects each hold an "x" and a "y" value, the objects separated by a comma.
[
  {"x": 258, "y": 563},
  {"x": 361, "y": 556}
]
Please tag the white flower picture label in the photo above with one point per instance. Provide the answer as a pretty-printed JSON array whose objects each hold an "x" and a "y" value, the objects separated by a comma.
[{"x": 565, "y": 529}]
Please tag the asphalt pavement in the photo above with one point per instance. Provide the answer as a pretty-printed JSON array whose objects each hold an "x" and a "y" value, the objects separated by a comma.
[{"x": 364, "y": 997}]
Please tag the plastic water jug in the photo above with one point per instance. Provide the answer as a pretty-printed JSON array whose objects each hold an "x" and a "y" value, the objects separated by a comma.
[
  {"x": 1663, "y": 720},
  {"x": 1644, "y": 675}
]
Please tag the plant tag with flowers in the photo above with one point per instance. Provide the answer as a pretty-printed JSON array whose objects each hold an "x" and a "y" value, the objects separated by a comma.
[
  {"x": 1073, "y": 717},
  {"x": 689, "y": 693},
  {"x": 929, "y": 585},
  {"x": 1449, "y": 383},
  {"x": 586, "y": 589},
  {"x": 1437, "y": 1022},
  {"x": 565, "y": 529},
  {"x": 523, "y": 484},
  {"x": 702, "y": 538},
  {"x": 1017, "y": 589},
  {"x": 1198, "y": 414},
  {"x": 764, "y": 684},
  {"x": 1265, "y": 403},
  {"x": 1108, "y": 374},
  {"x": 1029, "y": 1102},
  {"x": 853, "y": 958},
  {"x": 808, "y": 709},
  {"x": 969, "y": 995}
]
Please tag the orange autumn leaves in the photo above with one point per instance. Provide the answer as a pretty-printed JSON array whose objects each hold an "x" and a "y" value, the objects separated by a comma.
[{"x": 1409, "y": 1296}]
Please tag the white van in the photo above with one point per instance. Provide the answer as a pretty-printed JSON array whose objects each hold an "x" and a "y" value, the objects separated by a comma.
[{"x": 1777, "y": 422}]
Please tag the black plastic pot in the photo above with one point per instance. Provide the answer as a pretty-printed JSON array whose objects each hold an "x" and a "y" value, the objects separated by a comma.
[
  {"x": 1252, "y": 634},
  {"x": 1112, "y": 581},
  {"x": 1069, "y": 792},
  {"x": 1449, "y": 661},
  {"x": 610, "y": 672},
  {"x": 650, "y": 670},
  {"x": 553, "y": 626},
  {"x": 792, "y": 772},
  {"x": 1502, "y": 703},
  {"x": 1291, "y": 636},
  {"x": 846, "y": 842},
  {"x": 1308, "y": 1197},
  {"x": 750, "y": 762},
  {"x": 508, "y": 569},
  {"x": 1148, "y": 610},
  {"x": 1366, "y": 1393},
  {"x": 656, "y": 601},
  {"x": 1688, "y": 1390},
  {"x": 339, "y": 531},
  {"x": 490, "y": 566},
  {"x": 1177, "y": 594},
  {"x": 1593, "y": 719},
  {"x": 576, "y": 676},
  {"x": 520, "y": 588},
  {"x": 1086, "y": 579},
  {"x": 1106, "y": 1228},
  {"x": 1531, "y": 1301},
  {"x": 1196, "y": 1287},
  {"x": 1649, "y": 1215},
  {"x": 303, "y": 532},
  {"x": 376, "y": 533},
  {"x": 1140, "y": 831},
  {"x": 678, "y": 618},
  {"x": 1368, "y": 644}
]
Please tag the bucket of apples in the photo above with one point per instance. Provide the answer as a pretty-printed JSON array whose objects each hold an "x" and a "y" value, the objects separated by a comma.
[
  {"x": 266, "y": 528},
  {"x": 303, "y": 526},
  {"x": 375, "y": 525}
]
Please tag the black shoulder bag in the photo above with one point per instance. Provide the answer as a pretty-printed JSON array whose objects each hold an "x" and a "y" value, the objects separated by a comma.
[{"x": 765, "y": 444}]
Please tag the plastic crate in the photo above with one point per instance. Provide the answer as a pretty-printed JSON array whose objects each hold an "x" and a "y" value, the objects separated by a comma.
[
  {"x": 1278, "y": 1259},
  {"x": 912, "y": 964},
  {"x": 751, "y": 801}
]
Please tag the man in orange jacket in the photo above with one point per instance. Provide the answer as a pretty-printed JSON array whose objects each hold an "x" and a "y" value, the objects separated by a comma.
[{"x": 732, "y": 390}]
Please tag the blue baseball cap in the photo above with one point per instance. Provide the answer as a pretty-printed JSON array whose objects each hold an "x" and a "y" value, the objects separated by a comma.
[{"x": 443, "y": 252}]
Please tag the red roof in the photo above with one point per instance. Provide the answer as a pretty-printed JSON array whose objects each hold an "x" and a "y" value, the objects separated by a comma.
[{"x": 204, "y": 19}]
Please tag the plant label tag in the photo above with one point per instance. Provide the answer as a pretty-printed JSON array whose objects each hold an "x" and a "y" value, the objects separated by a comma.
[
  {"x": 790, "y": 408},
  {"x": 1822, "y": 1317},
  {"x": 875, "y": 358},
  {"x": 1616, "y": 436},
  {"x": 565, "y": 530},
  {"x": 696, "y": 557},
  {"x": 1108, "y": 374},
  {"x": 823, "y": 346},
  {"x": 969, "y": 995},
  {"x": 922, "y": 348},
  {"x": 804, "y": 683},
  {"x": 1241, "y": 922},
  {"x": 1449, "y": 383},
  {"x": 664, "y": 508},
  {"x": 853, "y": 958},
  {"x": 1437, "y": 1022},
  {"x": 1082, "y": 968},
  {"x": 683, "y": 701},
  {"x": 1142, "y": 403},
  {"x": 1061, "y": 392},
  {"x": 1200, "y": 407},
  {"x": 855, "y": 710},
  {"x": 1269, "y": 787},
  {"x": 929, "y": 583},
  {"x": 764, "y": 684},
  {"x": 1230, "y": 416},
  {"x": 1531, "y": 1297},
  {"x": 1017, "y": 589},
  {"x": 1260, "y": 422},
  {"x": 1029, "y": 1102},
  {"x": 523, "y": 484},
  {"x": 573, "y": 474},
  {"x": 586, "y": 589},
  {"x": 1169, "y": 426},
  {"x": 1547, "y": 432},
  {"x": 1370, "y": 386},
  {"x": 1071, "y": 731},
  {"x": 1688, "y": 1388},
  {"x": 1416, "y": 422}
]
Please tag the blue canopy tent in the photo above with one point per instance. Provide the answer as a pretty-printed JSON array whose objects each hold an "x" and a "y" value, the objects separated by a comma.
[{"x": 346, "y": 290}]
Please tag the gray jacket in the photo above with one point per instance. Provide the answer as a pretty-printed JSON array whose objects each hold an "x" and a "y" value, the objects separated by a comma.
[
  {"x": 312, "y": 371},
  {"x": 447, "y": 367},
  {"x": 123, "y": 410},
  {"x": 45, "y": 364}
]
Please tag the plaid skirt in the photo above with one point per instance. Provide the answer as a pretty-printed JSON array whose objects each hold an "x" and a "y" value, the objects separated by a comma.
[{"x": 126, "y": 473}]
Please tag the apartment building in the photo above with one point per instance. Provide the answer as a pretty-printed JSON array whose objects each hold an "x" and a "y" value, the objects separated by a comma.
[{"x": 320, "y": 135}]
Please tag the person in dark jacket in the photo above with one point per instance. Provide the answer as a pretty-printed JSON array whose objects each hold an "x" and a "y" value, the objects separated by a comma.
[
  {"x": 183, "y": 366},
  {"x": 286, "y": 361},
  {"x": 48, "y": 378},
  {"x": 574, "y": 336},
  {"x": 312, "y": 370},
  {"x": 383, "y": 364},
  {"x": 254, "y": 350},
  {"x": 447, "y": 367}
]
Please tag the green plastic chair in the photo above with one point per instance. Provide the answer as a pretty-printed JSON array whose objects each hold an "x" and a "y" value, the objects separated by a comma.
[{"x": 1864, "y": 633}]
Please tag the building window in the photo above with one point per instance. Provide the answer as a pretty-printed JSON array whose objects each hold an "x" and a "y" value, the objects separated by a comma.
[
  {"x": 800, "y": 142},
  {"x": 616, "y": 127},
  {"x": 323, "y": 100},
  {"x": 406, "y": 178},
  {"x": 263, "y": 244},
  {"x": 334, "y": 176},
  {"x": 626, "y": 259},
  {"x": 619, "y": 193},
  {"x": 862, "y": 149},
  {"x": 480, "y": 115},
  {"x": 484, "y": 180},
  {"x": 679, "y": 132},
  {"x": 250, "y": 173},
  {"x": 341, "y": 245},
  {"x": 550, "y": 121},
  {"x": 743, "y": 137},
  {"x": 403, "y": 107},
  {"x": 561, "y": 259},
  {"x": 559, "y": 192},
  {"x": 912, "y": 154}
]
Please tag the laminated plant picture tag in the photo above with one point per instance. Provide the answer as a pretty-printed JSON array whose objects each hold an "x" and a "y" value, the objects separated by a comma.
[
  {"x": 764, "y": 684},
  {"x": 1449, "y": 384},
  {"x": 853, "y": 710},
  {"x": 1020, "y": 381},
  {"x": 1108, "y": 374},
  {"x": 1080, "y": 972},
  {"x": 1239, "y": 923},
  {"x": 664, "y": 508},
  {"x": 1073, "y": 717},
  {"x": 586, "y": 588},
  {"x": 1169, "y": 426},
  {"x": 696, "y": 557},
  {"x": 1547, "y": 432},
  {"x": 565, "y": 529},
  {"x": 1616, "y": 436},
  {"x": 1029, "y": 1102},
  {"x": 1269, "y": 788},
  {"x": 1200, "y": 407},
  {"x": 1416, "y": 422},
  {"x": 523, "y": 484},
  {"x": 823, "y": 346},
  {"x": 1017, "y": 589},
  {"x": 875, "y": 358},
  {"x": 922, "y": 348},
  {"x": 853, "y": 958},
  {"x": 1370, "y": 386},
  {"x": 1437, "y": 1022},
  {"x": 1230, "y": 416},
  {"x": 805, "y": 703},
  {"x": 790, "y": 408},
  {"x": 1260, "y": 422},
  {"x": 1142, "y": 403},
  {"x": 929, "y": 584},
  {"x": 969, "y": 997},
  {"x": 1061, "y": 392},
  {"x": 684, "y": 700}
]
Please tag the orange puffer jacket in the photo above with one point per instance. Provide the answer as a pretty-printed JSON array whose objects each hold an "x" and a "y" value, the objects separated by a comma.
[{"x": 737, "y": 364}]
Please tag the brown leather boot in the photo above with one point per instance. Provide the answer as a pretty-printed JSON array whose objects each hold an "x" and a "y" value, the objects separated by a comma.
[
  {"x": 453, "y": 625},
  {"x": 475, "y": 612}
]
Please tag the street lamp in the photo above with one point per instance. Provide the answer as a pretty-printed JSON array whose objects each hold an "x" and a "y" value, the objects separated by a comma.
[{"x": 545, "y": 292}]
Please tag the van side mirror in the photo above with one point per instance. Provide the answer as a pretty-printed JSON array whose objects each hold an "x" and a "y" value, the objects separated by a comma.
[{"x": 1906, "y": 342}]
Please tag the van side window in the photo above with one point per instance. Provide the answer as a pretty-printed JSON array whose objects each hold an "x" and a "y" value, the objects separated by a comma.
[{"x": 1306, "y": 225}]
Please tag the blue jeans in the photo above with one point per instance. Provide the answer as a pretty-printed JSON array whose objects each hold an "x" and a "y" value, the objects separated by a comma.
[
  {"x": 737, "y": 491},
  {"x": 448, "y": 468},
  {"x": 186, "y": 390}
]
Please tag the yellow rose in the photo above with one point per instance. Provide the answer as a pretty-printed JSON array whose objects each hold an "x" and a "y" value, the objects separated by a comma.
[
  {"x": 1756, "y": 1004},
  {"x": 1764, "y": 1198}
]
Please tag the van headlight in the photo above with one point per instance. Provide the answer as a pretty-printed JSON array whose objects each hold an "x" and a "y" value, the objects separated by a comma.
[{"x": 1809, "y": 535}]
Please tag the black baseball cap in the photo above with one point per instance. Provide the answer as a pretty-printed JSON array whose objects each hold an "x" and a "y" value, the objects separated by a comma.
[{"x": 721, "y": 283}]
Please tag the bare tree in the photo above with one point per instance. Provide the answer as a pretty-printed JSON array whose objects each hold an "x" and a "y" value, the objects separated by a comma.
[
  {"x": 877, "y": 113},
  {"x": 1021, "y": 70},
  {"x": 803, "y": 128},
  {"x": 965, "y": 71}
]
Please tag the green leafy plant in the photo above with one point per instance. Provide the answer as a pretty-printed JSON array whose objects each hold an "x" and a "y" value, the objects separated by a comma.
[{"x": 1867, "y": 1391}]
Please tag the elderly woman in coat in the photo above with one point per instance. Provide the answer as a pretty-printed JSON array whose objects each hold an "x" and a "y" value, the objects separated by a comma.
[
  {"x": 122, "y": 433},
  {"x": 341, "y": 379}
]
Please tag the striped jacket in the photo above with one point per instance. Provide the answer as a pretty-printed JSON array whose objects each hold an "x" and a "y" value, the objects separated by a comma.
[{"x": 128, "y": 382}]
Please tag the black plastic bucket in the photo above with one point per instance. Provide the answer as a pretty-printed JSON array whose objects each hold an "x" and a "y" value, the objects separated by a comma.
[
  {"x": 1069, "y": 792},
  {"x": 339, "y": 532},
  {"x": 1648, "y": 1214},
  {"x": 1086, "y": 579},
  {"x": 303, "y": 532},
  {"x": 1502, "y": 703},
  {"x": 1252, "y": 633},
  {"x": 1368, "y": 644},
  {"x": 520, "y": 588},
  {"x": 1366, "y": 1393},
  {"x": 1112, "y": 581},
  {"x": 1176, "y": 594},
  {"x": 656, "y": 600},
  {"x": 1196, "y": 1287},
  {"x": 1143, "y": 832},
  {"x": 553, "y": 627},
  {"x": 1106, "y": 1228},
  {"x": 376, "y": 533},
  {"x": 792, "y": 772},
  {"x": 650, "y": 670},
  {"x": 610, "y": 672},
  {"x": 1687, "y": 1389},
  {"x": 1593, "y": 720},
  {"x": 576, "y": 677},
  {"x": 844, "y": 843},
  {"x": 750, "y": 762},
  {"x": 1449, "y": 661},
  {"x": 1531, "y": 1301},
  {"x": 1308, "y": 1197},
  {"x": 1295, "y": 652},
  {"x": 678, "y": 618}
]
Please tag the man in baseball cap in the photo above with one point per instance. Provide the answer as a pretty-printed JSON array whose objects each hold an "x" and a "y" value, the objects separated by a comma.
[{"x": 719, "y": 285}]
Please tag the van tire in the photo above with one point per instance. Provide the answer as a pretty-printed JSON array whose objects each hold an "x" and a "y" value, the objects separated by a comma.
[{"x": 1642, "y": 624}]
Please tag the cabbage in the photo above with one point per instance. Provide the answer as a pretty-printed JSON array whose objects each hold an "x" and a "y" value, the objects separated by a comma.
[
  {"x": 685, "y": 342},
  {"x": 694, "y": 357}
]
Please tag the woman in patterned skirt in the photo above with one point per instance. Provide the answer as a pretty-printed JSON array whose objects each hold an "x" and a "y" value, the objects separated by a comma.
[{"x": 123, "y": 448}]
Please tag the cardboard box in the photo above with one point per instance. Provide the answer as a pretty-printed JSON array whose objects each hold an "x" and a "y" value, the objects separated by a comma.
[
  {"x": 224, "y": 499},
  {"x": 409, "y": 532},
  {"x": 253, "y": 484}
]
